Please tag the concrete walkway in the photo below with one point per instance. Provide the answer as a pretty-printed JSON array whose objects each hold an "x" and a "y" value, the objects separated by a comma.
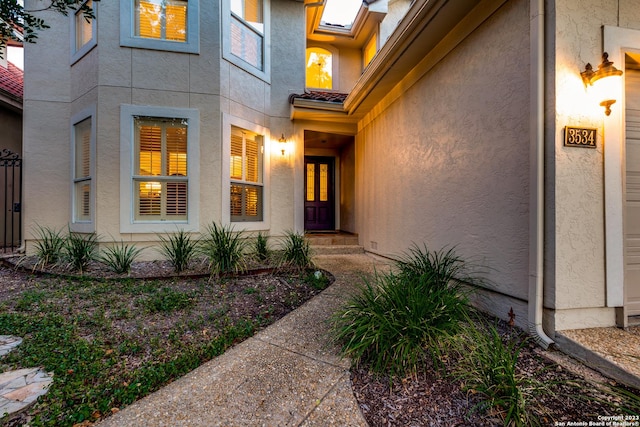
[{"x": 289, "y": 374}]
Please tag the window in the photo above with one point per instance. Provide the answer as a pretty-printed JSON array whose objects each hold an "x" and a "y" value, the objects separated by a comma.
[
  {"x": 158, "y": 177},
  {"x": 83, "y": 34},
  {"x": 82, "y": 182},
  {"x": 160, "y": 24},
  {"x": 246, "y": 34},
  {"x": 245, "y": 172},
  {"x": 319, "y": 68},
  {"x": 161, "y": 19},
  {"x": 370, "y": 49}
]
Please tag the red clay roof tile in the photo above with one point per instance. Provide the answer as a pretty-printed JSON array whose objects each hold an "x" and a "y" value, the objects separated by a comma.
[
  {"x": 12, "y": 81},
  {"x": 320, "y": 96}
]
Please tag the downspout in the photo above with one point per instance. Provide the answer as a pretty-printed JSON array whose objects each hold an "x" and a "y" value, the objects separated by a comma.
[{"x": 537, "y": 171}]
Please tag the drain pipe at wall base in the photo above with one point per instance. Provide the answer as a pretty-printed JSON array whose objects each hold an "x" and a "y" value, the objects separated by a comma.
[{"x": 537, "y": 170}]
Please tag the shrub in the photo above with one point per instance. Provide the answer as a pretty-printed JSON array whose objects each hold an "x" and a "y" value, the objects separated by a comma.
[
  {"x": 486, "y": 365},
  {"x": 444, "y": 265},
  {"x": 393, "y": 323},
  {"x": 261, "y": 247},
  {"x": 49, "y": 245},
  {"x": 224, "y": 249},
  {"x": 296, "y": 251},
  {"x": 80, "y": 249},
  {"x": 179, "y": 249},
  {"x": 120, "y": 257}
]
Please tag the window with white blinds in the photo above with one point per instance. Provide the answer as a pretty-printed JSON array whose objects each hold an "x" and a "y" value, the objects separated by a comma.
[
  {"x": 160, "y": 177},
  {"x": 82, "y": 171},
  {"x": 246, "y": 175},
  {"x": 161, "y": 19}
]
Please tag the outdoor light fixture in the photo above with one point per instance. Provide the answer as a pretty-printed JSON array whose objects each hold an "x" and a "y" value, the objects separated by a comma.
[
  {"x": 283, "y": 144},
  {"x": 605, "y": 81}
]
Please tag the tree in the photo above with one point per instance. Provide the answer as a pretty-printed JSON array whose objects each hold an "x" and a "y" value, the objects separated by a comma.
[{"x": 20, "y": 25}]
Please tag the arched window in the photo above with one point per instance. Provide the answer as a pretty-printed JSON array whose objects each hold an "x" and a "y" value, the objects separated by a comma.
[{"x": 319, "y": 68}]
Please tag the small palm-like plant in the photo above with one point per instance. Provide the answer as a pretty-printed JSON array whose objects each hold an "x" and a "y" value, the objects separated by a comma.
[
  {"x": 119, "y": 257},
  {"x": 224, "y": 249},
  {"x": 443, "y": 265},
  {"x": 49, "y": 246},
  {"x": 487, "y": 365},
  {"x": 179, "y": 249},
  {"x": 296, "y": 251},
  {"x": 80, "y": 249},
  {"x": 261, "y": 247}
]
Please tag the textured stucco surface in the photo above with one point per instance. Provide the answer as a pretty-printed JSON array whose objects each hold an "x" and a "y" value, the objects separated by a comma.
[
  {"x": 111, "y": 75},
  {"x": 447, "y": 163}
]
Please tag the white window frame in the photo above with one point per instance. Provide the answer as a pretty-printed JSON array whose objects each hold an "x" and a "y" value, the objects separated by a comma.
[
  {"x": 128, "y": 222},
  {"x": 227, "y": 122},
  {"x": 129, "y": 39},
  {"x": 263, "y": 73},
  {"x": 83, "y": 226},
  {"x": 77, "y": 54}
]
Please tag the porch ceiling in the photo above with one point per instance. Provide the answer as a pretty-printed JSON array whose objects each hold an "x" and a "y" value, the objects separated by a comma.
[{"x": 315, "y": 139}]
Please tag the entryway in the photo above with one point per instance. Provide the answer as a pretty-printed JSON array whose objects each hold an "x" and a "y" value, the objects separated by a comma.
[{"x": 319, "y": 205}]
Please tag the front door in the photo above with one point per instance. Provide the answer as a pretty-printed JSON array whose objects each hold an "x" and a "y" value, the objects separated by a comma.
[{"x": 319, "y": 207}]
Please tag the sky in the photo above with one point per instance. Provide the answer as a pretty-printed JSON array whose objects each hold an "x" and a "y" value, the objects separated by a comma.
[
  {"x": 14, "y": 55},
  {"x": 341, "y": 12}
]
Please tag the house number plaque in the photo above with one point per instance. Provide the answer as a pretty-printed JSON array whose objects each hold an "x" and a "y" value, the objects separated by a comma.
[{"x": 579, "y": 137}]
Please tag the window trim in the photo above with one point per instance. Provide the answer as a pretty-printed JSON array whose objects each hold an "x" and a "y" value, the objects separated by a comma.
[
  {"x": 128, "y": 222},
  {"x": 75, "y": 225},
  {"x": 227, "y": 122},
  {"x": 77, "y": 54},
  {"x": 128, "y": 39},
  {"x": 265, "y": 72}
]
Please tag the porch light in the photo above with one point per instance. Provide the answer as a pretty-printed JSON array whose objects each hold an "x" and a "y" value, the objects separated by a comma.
[
  {"x": 283, "y": 144},
  {"x": 605, "y": 82}
]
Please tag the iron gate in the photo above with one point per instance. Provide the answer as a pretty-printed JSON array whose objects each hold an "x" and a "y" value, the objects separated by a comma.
[{"x": 11, "y": 203}]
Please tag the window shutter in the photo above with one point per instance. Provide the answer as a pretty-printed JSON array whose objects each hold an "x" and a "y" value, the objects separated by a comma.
[
  {"x": 149, "y": 23},
  {"x": 252, "y": 153},
  {"x": 150, "y": 150},
  {"x": 176, "y": 151},
  {"x": 236, "y": 157},
  {"x": 177, "y": 198},
  {"x": 176, "y": 21},
  {"x": 236, "y": 200},
  {"x": 149, "y": 201}
]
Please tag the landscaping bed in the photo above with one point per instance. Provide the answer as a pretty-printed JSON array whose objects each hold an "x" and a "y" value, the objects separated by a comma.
[{"x": 111, "y": 340}]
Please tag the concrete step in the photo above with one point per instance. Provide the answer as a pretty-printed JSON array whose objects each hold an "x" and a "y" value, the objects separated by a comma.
[
  {"x": 331, "y": 239},
  {"x": 336, "y": 249}
]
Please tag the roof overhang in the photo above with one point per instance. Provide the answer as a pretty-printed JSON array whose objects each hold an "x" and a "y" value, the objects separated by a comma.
[{"x": 424, "y": 36}]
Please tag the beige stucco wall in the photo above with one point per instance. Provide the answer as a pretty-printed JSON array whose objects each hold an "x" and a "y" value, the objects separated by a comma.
[
  {"x": 577, "y": 279},
  {"x": 447, "y": 164},
  {"x": 110, "y": 76}
]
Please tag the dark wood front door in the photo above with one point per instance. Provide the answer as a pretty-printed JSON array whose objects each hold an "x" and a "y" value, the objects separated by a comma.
[{"x": 319, "y": 204}]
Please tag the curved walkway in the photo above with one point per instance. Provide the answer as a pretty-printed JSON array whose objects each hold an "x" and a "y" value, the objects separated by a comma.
[{"x": 289, "y": 374}]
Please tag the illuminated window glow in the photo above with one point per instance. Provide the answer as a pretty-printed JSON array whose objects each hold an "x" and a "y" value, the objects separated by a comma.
[{"x": 319, "y": 68}]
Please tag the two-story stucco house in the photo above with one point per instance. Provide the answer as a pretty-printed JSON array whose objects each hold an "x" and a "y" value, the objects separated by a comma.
[{"x": 459, "y": 123}]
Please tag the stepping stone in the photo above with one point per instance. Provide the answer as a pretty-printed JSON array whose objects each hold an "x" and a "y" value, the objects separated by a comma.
[
  {"x": 21, "y": 388},
  {"x": 8, "y": 343}
]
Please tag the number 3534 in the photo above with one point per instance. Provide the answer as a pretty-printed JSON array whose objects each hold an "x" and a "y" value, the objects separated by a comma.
[{"x": 579, "y": 137}]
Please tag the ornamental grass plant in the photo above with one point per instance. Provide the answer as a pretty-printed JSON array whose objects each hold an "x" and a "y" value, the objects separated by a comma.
[
  {"x": 296, "y": 251},
  {"x": 79, "y": 250},
  {"x": 48, "y": 246},
  {"x": 224, "y": 249},
  {"x": 119, "y": 257},
  {"x": 179, "y": 249}
]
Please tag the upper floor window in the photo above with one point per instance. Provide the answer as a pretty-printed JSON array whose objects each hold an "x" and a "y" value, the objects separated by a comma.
[
  {"x": 83, "y": 34},
  {"x": 161, "y": 19},
  {"x": 171, "y": 25},
  {"x": 319, "y": 68},
  {"x": 370, "y": 49},
  {"x": 246, "y": 29}
]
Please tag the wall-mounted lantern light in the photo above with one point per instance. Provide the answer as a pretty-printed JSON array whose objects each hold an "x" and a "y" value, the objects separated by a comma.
[
  {"x": 282, "y": 144},
  {"x": 605, "y": 82}
]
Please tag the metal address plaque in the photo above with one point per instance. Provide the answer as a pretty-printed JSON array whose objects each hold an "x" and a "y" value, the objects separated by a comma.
[{"x": 579, "y": 137}]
